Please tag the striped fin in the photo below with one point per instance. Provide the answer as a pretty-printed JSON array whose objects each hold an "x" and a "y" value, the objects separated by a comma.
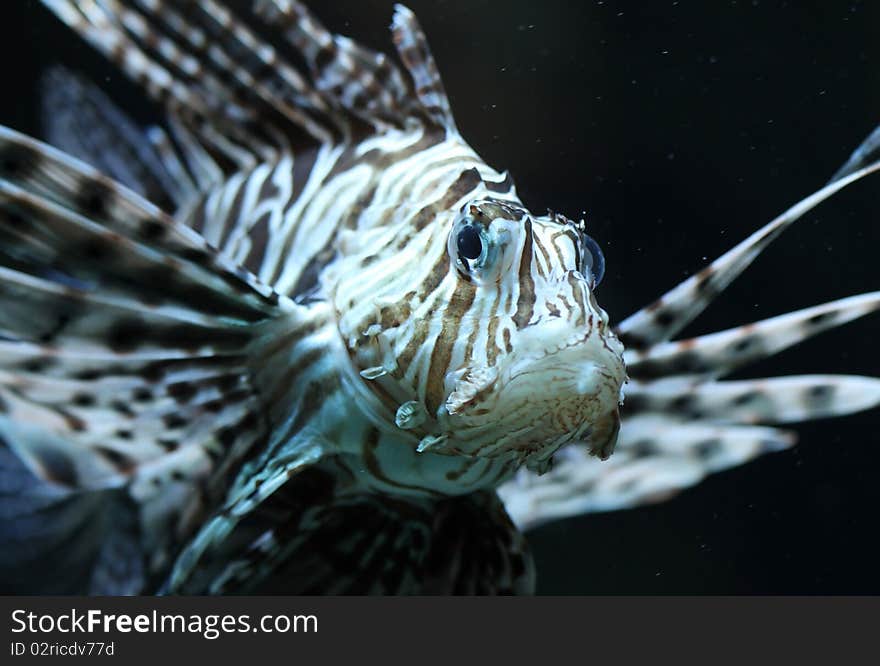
[
  {"x": 661, "y": 320},
  {"x": 92, "y": 434},
  {"x": 772, "y": 400},
  {"x": 476, "y": 549},
  {"x": 317, "y": 544},
  {"x": 720, "y": 353},
  {"x": 180, "y": 85},
  {"x": 360, "y": 81},
  {"x": 655, "y": 458},
  {"x": 412, "y": 45},
  {"x": 235, "y": 92},
  {"x": 127, "y": 349},
  {"x": 67, "y": 223}
]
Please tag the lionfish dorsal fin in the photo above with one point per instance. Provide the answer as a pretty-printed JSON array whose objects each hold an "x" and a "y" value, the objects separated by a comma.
[
  {"x": 349, "y": 76},
  {"x": 412, "y": 45},
  {"x": 239, "y": 95}
]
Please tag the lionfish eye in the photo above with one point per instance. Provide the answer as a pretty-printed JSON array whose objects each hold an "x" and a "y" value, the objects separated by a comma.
[
  {"x": 469, "y": 243},
  {"x": 593, "y": 260},
  {"x": 476, "y": 245}
]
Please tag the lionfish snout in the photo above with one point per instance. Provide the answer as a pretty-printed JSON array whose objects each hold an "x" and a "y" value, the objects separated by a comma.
[{"x": 551, "y": 390}]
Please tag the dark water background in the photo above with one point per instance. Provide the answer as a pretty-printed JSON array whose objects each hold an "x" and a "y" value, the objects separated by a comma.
[{"x": 680, "y": 127}]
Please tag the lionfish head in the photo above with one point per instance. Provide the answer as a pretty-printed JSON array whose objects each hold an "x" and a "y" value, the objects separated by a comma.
[{"x": 480, "y": 333}]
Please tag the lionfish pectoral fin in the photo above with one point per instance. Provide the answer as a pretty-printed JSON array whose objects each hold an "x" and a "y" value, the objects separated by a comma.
[
  {"x": 337, "y": 543},
  {"x": 256, "y": 492},
  {"x": 718, "y": 354},
  {"x": 661, "y": 320},
  {"x": 238, "y": 94},
  {"x": 124, "y": 342},
  {"x": 772, "y": 400},
  {"x": 654, "y": 460}
]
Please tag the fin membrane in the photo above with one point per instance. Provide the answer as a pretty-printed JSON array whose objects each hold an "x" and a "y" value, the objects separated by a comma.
[
  {"x": 82, "y": 121},
  {"x": 308, "y": 539}
]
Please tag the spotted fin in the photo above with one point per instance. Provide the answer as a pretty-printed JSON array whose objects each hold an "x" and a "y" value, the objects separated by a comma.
[
  {"x": 412, "y": 45},
  {"x": 720, "y": 353},
  {"x": 126, "y": 347},
  {"x": 655, "y": 458},
  {"x": 219, "y": 98},
  {"x": 788, "y": 399}
]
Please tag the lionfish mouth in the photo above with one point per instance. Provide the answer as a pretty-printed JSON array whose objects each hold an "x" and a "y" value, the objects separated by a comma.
[
  {"x": 583, "y": 379},
  {"x": 588, "y": 344},
  {"x": 546, "y": 396}
]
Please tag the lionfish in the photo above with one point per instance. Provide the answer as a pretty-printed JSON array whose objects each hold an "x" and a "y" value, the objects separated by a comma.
[{"x": 301, "y": 338}]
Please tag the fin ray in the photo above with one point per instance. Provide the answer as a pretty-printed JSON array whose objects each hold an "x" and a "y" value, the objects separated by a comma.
[
  {"x": 718, "y": 354},
  {"x": 661, "y": 320},
  {"x": 787, "y": 399},
  {"x": 412, "y": 45},
  {"x": 655, "y": 459}
]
